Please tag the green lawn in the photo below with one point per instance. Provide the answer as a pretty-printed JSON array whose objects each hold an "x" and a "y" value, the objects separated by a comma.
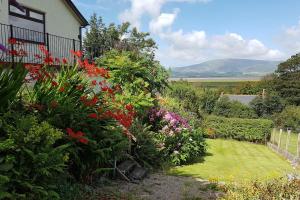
[
  {"x": 230, "y": 160},
  {"x": 292, "y": 147}
]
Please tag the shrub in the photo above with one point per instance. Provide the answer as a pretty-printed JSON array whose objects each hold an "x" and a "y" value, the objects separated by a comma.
[
  {"x": 267, "y": 106},
  {"x": 289, "y": 118},
  {"x": 192, "y": 99},
  {"x": 253, "y": 130},
  {"x": 178, "y": 142},
  {"x": 31, "y": 160},
  {"x": 146, "y": 148},
  {"x": 234, "y": 109},
  {"x": 275, "y": 189},
  {"x": 186, "y": 147}
]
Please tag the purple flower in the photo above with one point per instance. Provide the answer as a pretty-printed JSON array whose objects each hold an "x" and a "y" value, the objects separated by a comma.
[{"x": 3, "y": 48}]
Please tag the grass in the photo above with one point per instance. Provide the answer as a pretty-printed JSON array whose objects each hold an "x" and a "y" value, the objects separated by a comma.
[
  {"x": 293, "y": 140},
  {"x": 234, "y": 161}
]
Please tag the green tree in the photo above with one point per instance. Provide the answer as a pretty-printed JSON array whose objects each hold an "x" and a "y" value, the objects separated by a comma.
[
  {"x": 101, "y": 38},
  {"x": 288, "y": 81},
  {"x": 268, "y": 105}
]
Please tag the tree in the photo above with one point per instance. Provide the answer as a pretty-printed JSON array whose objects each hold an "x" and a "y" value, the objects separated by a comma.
[
  {"x": 268, "y": 105},
  {"x": 101, "y": 38},
  {"x": 288, "y": 81}
]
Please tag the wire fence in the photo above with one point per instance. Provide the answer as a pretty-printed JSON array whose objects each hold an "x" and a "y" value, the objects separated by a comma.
[{"x": 286, "y": 143}]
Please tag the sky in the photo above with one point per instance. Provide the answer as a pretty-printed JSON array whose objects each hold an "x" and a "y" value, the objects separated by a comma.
[{"x": 193, "y": 31}]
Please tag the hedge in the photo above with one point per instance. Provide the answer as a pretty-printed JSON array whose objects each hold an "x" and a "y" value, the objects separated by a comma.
[{"x": 252, "y": 130}]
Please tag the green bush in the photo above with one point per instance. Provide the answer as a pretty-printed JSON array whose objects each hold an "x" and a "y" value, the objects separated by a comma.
[
  {"x": 32, "y": 160},
  {"x": 192, "y": 99},
  {"x": 234, "y": 109},
  {"x": 253, "y": 130},
  {"x": 275, "y": 189},
  {"x": 289, "y": 118},
  {"x": 186, "y": 147},
  {"x": 267, "y": 106}
]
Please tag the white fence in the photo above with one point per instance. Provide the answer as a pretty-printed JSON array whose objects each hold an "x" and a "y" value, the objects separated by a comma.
[{"x": 287, "y": 143}]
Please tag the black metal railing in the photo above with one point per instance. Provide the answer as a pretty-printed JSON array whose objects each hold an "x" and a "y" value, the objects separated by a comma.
[{"x": 59, "y": 47}]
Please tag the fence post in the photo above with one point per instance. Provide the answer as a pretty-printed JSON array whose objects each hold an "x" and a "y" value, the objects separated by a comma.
[
  {"x": 298, "y": 152},
  {"x": 288, "y": 140},
  {"x": 12, "y": 45},
  {"x": 279, "y": 139},
  {"x": 74, "y": 49}
]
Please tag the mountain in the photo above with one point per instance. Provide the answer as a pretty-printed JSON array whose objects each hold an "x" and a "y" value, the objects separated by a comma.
[{"x": 226, "y": 68}]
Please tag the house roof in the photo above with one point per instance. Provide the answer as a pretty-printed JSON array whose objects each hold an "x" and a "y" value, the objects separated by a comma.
[
  {"x": 84, "y": 22},
  {"x": 244, "y": 99}
]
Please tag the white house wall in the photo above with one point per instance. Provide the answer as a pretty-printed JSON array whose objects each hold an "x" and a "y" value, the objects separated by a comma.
[{"x": 60, "y": 19}]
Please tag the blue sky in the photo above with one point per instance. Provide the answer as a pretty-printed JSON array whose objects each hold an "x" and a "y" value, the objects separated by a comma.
[{"x": 193, "y": 31}]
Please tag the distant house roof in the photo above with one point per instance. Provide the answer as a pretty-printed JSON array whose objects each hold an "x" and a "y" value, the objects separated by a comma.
[
  {"x": 84, "y": 22},
  {"x": 244, "y": 99}
]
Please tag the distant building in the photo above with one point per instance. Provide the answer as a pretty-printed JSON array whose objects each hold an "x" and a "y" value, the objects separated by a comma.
[{"x": 244, "y": 99}]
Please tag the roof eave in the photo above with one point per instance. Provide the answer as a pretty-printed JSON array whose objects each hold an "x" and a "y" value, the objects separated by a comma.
[{"x": 84, "y": 22}]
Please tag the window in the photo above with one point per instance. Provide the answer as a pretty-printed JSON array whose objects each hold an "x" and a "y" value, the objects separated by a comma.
[{"x": 29, "y": 25}]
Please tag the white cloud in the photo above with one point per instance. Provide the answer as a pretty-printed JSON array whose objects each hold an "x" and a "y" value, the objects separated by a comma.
[
  {"x": 197, "y": 46},
  {"x": 164, "y": 20},
  {"x": 140, "y": 8},
  {"x": 290, "y": 39},
  {"x": 182, "y": 48}
]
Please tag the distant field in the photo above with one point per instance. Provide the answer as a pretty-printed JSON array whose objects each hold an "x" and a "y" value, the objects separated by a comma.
[{"x": 226, "y": 83}]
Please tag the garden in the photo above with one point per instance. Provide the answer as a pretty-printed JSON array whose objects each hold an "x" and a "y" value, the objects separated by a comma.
[{"x": 65, "y": 126}]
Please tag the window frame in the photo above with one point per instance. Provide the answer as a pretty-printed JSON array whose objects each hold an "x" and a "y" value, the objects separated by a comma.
[{"x": 27, "y": 17}]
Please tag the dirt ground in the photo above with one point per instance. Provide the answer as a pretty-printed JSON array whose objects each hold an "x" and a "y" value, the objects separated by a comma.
[{"x": 159, "y": 186}]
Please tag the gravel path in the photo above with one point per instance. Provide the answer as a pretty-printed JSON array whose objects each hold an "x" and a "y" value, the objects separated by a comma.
[{"x": 159, "y": 186}]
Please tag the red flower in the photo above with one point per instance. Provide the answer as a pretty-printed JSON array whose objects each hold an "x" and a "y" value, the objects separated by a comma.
[
  {"x": 37, "y": 56},
  {"x": 43, "y": 50},
  {"x": 129, "y": 107},
  {"x": 54, "y": 83},
  {"x": 48, "y": 60},
  {"x": 61, "y": 89},
  {"x": 78, "y": 136},
  {"x": 93, "y": 116},
  {"x": 78, "y": 54},
  {"x": 79, "y": 87},
  {"x": 94, "y": 82},
  {"x": 13, "y": 52},
  {"x": 65, "y": 61},
  {"x": 83, "y": 141},
  {"x": 12, "y": 41}
]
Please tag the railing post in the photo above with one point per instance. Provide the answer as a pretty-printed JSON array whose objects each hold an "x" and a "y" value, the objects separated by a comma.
[
  {"x": 48, "y": 45},
  {"x": 12, "y": 45},
  {"x": 74, "y": 49}
]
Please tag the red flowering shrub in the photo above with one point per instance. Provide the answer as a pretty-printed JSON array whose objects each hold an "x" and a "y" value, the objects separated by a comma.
[{"x": 94, "y": 122}]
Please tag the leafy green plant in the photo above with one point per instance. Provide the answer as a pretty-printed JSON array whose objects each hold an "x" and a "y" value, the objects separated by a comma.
[
  {"x": 289, "y": 118},
  {"x": 11, "y": 80},
  {"x": 31, "y": 158},
  {"x": 253, "y": 130},
  {"x": 227, "y": 108}
]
